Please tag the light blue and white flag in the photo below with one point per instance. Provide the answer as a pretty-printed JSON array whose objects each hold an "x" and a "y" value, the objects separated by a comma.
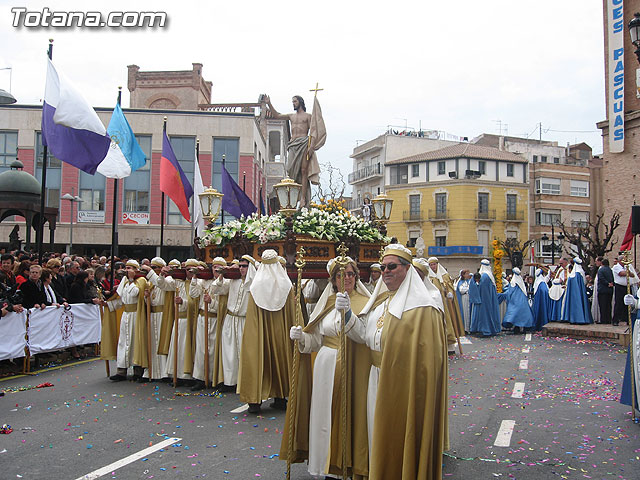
[{"x": 125, "y": 155}]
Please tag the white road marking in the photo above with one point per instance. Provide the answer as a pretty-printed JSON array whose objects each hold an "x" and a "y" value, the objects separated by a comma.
[
  {"x": 241, "y": 408},
  {"x": 518, "y": 390},
  {"x": 527, "y": 337},
  {"x": 526, "y": 349},
  {"x": 524, "y": 364},
  {"x": 503, "y": 438},
  {"x": 127, "y": 460},
  {"x": 465, "y": 341}
]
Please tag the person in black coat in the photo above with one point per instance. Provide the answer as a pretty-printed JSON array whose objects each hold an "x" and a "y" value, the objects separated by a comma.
[
  {"x": 79, "y": 291},
  {"x": 605, "y": 291},
  {"x": 57, "y": 281},
  {"x": 32, "y": 289}
]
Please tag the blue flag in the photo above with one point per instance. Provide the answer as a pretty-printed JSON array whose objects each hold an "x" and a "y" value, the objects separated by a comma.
[
  {"x": 235, "y": 201},
  {"x": 125, "y": 155},
  {"x": 263, "y": 211}
]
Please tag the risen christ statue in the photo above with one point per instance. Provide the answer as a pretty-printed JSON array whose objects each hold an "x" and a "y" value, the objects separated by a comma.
[{"x": 302, "y": 165}]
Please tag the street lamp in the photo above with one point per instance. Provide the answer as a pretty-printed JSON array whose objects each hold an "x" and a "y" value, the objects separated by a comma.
[
  {"x": 210, "y": 201},
  {"x": 382, "y": 209},
  {"x": 560, "y": 237},
  {"x": 634, "y": 31},
  {"x": 72, "y": 199}
]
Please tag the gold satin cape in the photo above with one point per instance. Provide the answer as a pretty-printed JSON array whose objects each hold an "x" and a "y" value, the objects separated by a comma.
[
  {"x": 410, "y": 420},
  {"x": 449, "y": 310},
  {"x": 110, "y": 331},
  {"x": 193, "y": 305},
  {"x": 217, "y": 376},
  {"x": 267, "y": 352},
  {"x": 168, "y": 317},
  {"x": 141, "y": 332},
  {"x": 358, "y": 365}
]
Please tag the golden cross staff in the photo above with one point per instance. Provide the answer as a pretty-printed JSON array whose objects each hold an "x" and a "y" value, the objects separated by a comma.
[
  {"x": 342, "y": 262},
  {"x": 293, "y": 380},
  {"x": 626, "y": 261}
]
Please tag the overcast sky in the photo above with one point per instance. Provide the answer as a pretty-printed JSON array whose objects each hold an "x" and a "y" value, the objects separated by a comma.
[{"x": 457, "y": 66}]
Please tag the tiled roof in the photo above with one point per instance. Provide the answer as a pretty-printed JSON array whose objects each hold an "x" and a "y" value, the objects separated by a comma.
[{"x": 462, "y": 150}]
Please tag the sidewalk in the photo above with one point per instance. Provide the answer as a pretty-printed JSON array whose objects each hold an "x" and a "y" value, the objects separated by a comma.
[{"x": 617, "y": 334}]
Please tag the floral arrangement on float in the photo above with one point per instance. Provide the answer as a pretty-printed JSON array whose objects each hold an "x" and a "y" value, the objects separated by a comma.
[
  {"x": 498, "y": 253},
  {"x": 329, "y": 221}
]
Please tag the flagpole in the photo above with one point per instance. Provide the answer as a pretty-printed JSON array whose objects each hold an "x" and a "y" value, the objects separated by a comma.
[
  {"x": 196, "y": 165},
  {"x": 114, "y": 221},
  {"x": 224, "y": 158},
  {"x": 244, "y": 182},
  {"x": 43, "y": 187},
  {"x": 164, "y": 131}
]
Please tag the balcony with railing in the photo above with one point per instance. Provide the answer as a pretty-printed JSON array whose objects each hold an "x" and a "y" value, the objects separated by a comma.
[
  {"x": 370, "y": 171},
  {"x": 482, "y": 214},
  {"x": 513, "y": 216},
  {"x": 413, "y": 216},
  {"x": 437, "y": 214},
  {"x": 579, "y": 224}
]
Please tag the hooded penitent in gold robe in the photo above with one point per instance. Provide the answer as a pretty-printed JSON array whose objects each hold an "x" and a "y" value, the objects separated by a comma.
[{"x": 265, "y": 356}]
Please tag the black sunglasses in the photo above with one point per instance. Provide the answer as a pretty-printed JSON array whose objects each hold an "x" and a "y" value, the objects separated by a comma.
[{"x": 390, "y": 266}]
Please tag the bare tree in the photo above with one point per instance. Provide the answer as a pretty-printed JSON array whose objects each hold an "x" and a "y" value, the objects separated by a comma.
[
  {"x": 332, "y": 186},
  {"x": 593, "y": 239},
  {"x": 515, "y": 251}
]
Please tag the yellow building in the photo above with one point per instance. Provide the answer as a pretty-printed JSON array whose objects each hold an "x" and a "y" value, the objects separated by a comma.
[{"x": 452, "y": 202}]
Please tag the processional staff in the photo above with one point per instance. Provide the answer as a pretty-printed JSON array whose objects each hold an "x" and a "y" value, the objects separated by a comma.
[
  {"x": 626, "y": 261},
  {"x": 293, "y": 380},
  {"x": 342, "y": 262}
]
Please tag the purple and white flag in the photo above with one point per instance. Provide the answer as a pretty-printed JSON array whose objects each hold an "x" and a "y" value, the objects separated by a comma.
[{"x": 70, "y": 126}]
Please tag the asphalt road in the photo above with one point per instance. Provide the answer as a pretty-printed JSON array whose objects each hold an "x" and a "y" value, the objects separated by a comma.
[{"x": 568, "y": 423}]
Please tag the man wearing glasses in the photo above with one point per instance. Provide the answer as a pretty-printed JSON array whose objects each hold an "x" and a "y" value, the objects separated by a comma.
[
  {"x": 230, "y": 330},
  {"x": 403, "y": 327}
]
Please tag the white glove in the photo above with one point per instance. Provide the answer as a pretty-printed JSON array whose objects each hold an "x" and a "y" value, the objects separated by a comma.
[
  {"x": 450, "y": 296},
  {"x": 629, "y": 300},
  {"x": 464, "y": 288},
  {"x": 295, "y": 333},
  {"x": 342, "y": 302}
]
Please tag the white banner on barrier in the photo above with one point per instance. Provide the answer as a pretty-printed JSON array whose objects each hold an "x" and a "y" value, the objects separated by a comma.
[
  {"x": 12, "y": 341},
  {"x": 56, "y": 328}
]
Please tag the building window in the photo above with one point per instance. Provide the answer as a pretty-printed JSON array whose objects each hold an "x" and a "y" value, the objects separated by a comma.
[
  {"x": 483, "y": 241},
  {"x": 510, "y": 169},
  {"x": 579, "y": 188},
  {"x": 414, "y": 207},
  {"x": 543, "y": 159},
  {"x": 137, "y": 185},
  {"x": 535, "y": 159},
  {"x": 229, "y": 149},
  {"x": 184, "y": 148},
  {"x": 556, "y": 160},
  {"x": 415, "y": 170},
  {"x": 483, "y": 203},
  {"x": 482, "y": 167},
  {"x": 54, "y": 174},
  {"x": 548, "y": 217},
  {"x": 579, "y": 219},
  {"x": 413, "y": 238},
  {"x": 512, "y": 205},
  {"x": 8, "y": 149},
  {"x": 441, "y": 205},
  {"x": 399, "y": 175},
  {"x": 91, "y": 192},
  {"x": 442, "y": 168},
  {"x": 441, "y": 238},
  {"x": 548, "y": 186}
]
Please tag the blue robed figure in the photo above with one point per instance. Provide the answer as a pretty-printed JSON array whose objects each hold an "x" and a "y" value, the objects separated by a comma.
[
  {"x": 632, "y": 353},
  {"x": 485, "y": 314},
  {"x": 541, "y": 301},
  {"x": 462, "y": 294},
  {"x": 576, "y": 304},
  {"x": 518, "y": 312},
  {"x": 556, "y": 292}
]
